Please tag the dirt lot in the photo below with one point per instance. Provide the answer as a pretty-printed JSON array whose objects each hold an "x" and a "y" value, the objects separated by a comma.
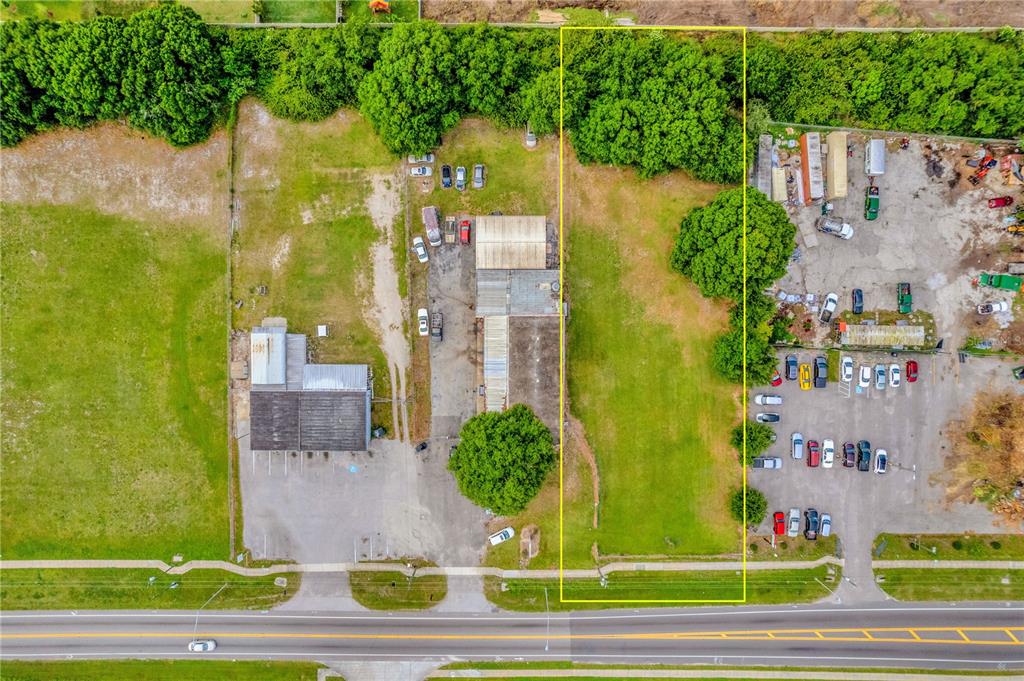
[
  {"x": 934, "y": 231},
  {"x": 532, "y": 379},
  {"x": 811, "y": 13}
]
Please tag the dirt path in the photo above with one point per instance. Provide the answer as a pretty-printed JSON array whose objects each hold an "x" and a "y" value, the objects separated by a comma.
[
  {"x": 579, "y": 439},
  {"x": 384, "y": 204}
]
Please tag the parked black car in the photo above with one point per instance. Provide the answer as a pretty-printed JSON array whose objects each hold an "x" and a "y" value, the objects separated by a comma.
[
  {"x": 820, "y": 371},
  {"x": 858, "y": 301},
  {"x": 791, "y": 367},
  {"x": 811, "y": 528},
  {"x": 446, "y": 176},
  {"x": 864, "y": 456},
  {"x": 420, "y": 447},
  {"x": 849, "y": 455}
]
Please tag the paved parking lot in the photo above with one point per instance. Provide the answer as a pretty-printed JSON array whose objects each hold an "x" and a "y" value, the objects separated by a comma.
[{"x": 907, "y": 422}]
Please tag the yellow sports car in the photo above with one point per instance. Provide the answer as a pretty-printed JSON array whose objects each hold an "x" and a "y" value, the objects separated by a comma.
[{"x": 805, "y": 376}]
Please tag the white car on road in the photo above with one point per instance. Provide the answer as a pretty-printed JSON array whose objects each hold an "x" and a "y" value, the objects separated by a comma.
[
  {"x": 202, "y": 646},
  {"x": 828, "y": 453},
  {"x": 424, "y": 321},
  {"x": 846, "y": 369}
]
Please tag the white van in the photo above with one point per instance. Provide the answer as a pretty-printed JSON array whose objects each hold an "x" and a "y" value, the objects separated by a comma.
[{"x": 874, "y": 158}]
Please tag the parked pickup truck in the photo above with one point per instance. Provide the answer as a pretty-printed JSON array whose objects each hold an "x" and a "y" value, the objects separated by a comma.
[
  {"x": 768, "y": 462},
  {"x": 1007, "y": 282},
  {"x": 992, "y": 308},
  {"x": 430, "y": 223},
  {"x": 451, "y": 231},
  {"x": 437, "y": 326},
  {"x": 904, "y": 299}
]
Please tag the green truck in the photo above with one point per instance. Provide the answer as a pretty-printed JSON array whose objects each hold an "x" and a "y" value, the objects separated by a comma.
[
  {"x": 904, "y": 300},
  {"x": 1006, "y": 282}
]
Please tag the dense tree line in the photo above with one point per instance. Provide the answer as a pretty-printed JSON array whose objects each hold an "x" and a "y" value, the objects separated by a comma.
[
  {"x": 654, "y": 102},
  {"x": 950, "y": 83}
]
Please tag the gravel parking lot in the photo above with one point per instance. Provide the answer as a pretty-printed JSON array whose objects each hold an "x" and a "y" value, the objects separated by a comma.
[{"x": 932, "y": 232}]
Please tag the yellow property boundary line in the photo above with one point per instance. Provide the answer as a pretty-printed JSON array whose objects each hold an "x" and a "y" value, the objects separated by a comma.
[{"x": 561, "y": 301}]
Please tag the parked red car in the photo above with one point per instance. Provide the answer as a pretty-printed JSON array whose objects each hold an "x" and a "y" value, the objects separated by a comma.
[
  {"x": 776, "y": 379},
  {"x": 849, "y": 455},
  {"x": 813, "y": 454},
  {"x": 464, "y": 231},
  {"x": 779, "y": 523},
  {"x": 1000, "y": 202},
  {"x": 911, "y": 371}
]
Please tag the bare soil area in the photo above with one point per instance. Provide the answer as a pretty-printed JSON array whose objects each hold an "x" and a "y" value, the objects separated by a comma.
[{"x": 123, "y": 172}]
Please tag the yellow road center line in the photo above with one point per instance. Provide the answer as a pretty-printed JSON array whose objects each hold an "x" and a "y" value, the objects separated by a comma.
[
  {"x": 914, "y": 634},
  {"x": 868, "y": 635},
  {"x": 1010, "y": 634},
  {"x": 962, "y": 634}
]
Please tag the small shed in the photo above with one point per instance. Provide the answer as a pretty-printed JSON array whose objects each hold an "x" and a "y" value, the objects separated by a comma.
[
  {"x": 779, "y": 192},
  {"x": 810, "y": 167},
  {"x": 268, "y": 356}
]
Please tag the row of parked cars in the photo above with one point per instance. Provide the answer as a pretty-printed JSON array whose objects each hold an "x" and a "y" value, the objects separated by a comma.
[
  {"x": 421, "y": 167},
  {"x": 824, "y": 455},
  {"x": 815, "y": 524},
  {"x": 880, "y": 373}
]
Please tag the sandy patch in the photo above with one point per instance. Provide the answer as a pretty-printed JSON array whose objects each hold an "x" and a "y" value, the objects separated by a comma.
[
  {"x": 281, "y": 251},
  {"x": 120, "y": 171}
]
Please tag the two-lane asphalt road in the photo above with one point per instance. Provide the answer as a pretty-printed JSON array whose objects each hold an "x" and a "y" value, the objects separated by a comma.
[{"x": 979, "y": 636}]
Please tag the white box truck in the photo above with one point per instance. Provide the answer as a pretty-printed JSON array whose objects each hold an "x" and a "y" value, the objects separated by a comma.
[{"x": 874, "y": 158}]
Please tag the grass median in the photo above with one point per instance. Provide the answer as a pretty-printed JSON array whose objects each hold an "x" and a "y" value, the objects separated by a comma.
[
  {"x": 763, "y": 587},
  {"x": 951, "y": 584},
  {"x": 114, "y": 589},
  {"x": 160, "y": 670},
  {"x": 949, "y": 547},
  {"x": 396, "y": 591}
]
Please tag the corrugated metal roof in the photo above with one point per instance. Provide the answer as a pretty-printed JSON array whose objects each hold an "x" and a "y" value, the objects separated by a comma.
[
  {"x": 267, "y": 353},
  {"x": 810, "y": 155},
  {"x": 509, "y": 242},
  {"x": 779, "y": 184},
  {"x": 495, "y": 362},
  {"x": 296, "y": 360},
  {"x": 309, "y": 421},
  {"x": 492, "y": 292},
  {"x": 837, "y": 159},
  {"x": 335, "y": 377}
]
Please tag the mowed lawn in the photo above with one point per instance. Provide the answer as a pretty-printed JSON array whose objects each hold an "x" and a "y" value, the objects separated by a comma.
[
  {"x": 639, "y": 373},
  {"x": 306, "y": 231},
  {"x": 159, "y": 670},
  {"x": 114, "y": 406}
]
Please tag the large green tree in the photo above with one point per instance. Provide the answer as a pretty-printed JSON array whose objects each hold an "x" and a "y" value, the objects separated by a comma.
[
  {"x": 413, "y": 94},
  {"x": 502, "y": 459},
  {"x": 757, "y": 506},
  {"x": 709, "y": 248},
  {"x": 759, "y": 437}
]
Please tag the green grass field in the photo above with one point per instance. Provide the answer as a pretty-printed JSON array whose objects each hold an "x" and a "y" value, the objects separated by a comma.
[
  {"x": 949, "y": 547},
  {"x": 116, "y": 589},
  {"x": 306, "y": 233},
  {"x": 763, "y": 587},
  {"x": 159, "y": 670},
  {"x": 639, "y": 371},
  {"x": 223, "y": 11},
  {"x": 395, "y": 591},
  {"x": 949, "y": 584},
  {"x": 299, "y": 11},
  {"x": 114, "y": 419}
]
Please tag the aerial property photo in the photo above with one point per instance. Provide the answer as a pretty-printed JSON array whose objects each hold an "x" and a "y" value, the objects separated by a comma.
[{"x": 395, "y": 340}]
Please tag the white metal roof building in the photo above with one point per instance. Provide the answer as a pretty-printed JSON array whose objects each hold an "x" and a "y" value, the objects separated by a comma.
[
  {"x": 511, "y": 242},
  {"x": 268, "y": 356},
  {"x": 516, "y": 292},
  {"x": 335, "y": 377},
  {"x": 836, "y": 183}
]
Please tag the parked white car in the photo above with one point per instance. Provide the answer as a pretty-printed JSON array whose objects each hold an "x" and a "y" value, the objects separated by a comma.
[
  {"x": 881, "y": 461},
  {"x": 426, "y": 158},
  {"x": 826, "y": 525},
  {"x": 420, "y": 249},
  {"x": 994, "y": 307},
  {"x": 423, "y": 320},
  {"x": 798, "y": 446},
  {"x": 421, "y": 171},
  {"x": 894, "y": 376},
  {"x": 793, "y": 524},
  {"x": 503, "y": 536},
  {"x": 865, "y": 376},
  {"x": 846, "y": 369},
  {"x": 828, "y": 453},
  {"x": 831, "y": 302},
  {"x": 764, "y": 399}
]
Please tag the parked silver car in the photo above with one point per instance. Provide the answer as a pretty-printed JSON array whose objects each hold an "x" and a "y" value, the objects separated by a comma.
[
  {"x": 880, "y": 377},
  {"x": 798, "y": 447},
  {"x": 460, "y": 178},
  {"x": 479, "y": 172}
]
